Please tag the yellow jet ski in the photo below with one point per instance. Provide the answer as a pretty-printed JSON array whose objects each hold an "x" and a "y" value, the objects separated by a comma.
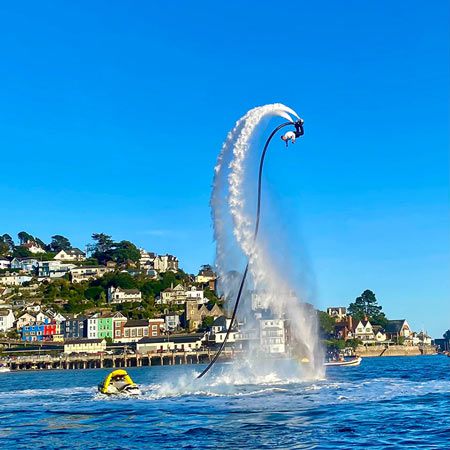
[{"x": 119, "y": 382}]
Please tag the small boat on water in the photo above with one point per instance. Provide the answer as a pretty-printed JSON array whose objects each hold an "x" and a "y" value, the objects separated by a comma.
[
  {"x": 4, "y": 369},
  {"x": 119, "y": 382},
  {"x": 346, "y": 362}
]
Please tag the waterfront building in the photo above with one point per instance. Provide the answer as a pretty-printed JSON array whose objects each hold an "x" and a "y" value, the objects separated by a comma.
[
  {"x": 172, "y": 321},
  {"x": 75, "y": 327},
  {"x": 219, "y": 330},
  {"x": 105, "y": 324},
  {"x": 364, "y": 331},
  {"x": 272, "y": 335},
  {"x": 33, "y": 332},
  {"x": 155, "y": 327},
  {"x": 181, "y": 342},
  {"x": 92, "y": 326},
  {"x": 118, "y": 295},
  {"x": 397, "y": 329},
  {"x": 134, "y": 330},
  {"x": 6, "y": 319},
  {"x": 85, "y": 346},
  {"x": 73, "y": 254}
]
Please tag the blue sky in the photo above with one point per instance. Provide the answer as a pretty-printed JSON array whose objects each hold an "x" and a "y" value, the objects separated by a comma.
[{"x": 112, "y": 115}]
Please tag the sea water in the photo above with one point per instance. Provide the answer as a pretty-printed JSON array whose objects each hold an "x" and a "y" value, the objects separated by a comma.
[{"x": 392, "y": 402}]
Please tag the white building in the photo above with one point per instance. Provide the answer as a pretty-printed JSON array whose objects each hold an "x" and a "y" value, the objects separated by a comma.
[
  {"x": 364, "y": 331},
  {"x": 86, "y": 273},
  {"x": 195, "y": 293},
  {"x": 172, "y": 322},
  {"x": 34, "y": 248},
  {"x": 219, "y": 330},
  {"x": 173, "y": 295},
  {"x": 165, "y": 263},
  {"x": 4, "y": 263},
  {"x": 25, "y": 264},
  {"x": 73, "y": 254},
  {"x": 272, "y": 335},
  {"x": 92, "y": 326},
  {"x": 85, "y": 346},
  {"x": 337, "y": 312},
  {"x": 118, "y": 295},
  {"x": 6, "y": 320},
  {"x": 14, "y": 279},
  {"x": 53, "y": 269},
  {"x": 182, "y": 342},
  {"x": 24, "y": 320}
]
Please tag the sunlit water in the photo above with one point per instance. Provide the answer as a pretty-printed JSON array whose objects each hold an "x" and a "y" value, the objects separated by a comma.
[{"x": 384, "y": 403}]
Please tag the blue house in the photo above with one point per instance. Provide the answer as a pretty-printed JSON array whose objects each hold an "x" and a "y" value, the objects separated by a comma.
[{"x": 33, "y": 332}]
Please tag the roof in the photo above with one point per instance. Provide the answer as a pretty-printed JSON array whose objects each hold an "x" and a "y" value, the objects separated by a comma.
[
  {"x": 73, "y": 251},
  {"x": 5, "y": 312},
  {"x": 83, "y": 341},
  {"x": 395, "y": 326},
  {"x": 221, "y": 321},
  {"x": 128, "y": 291},
  {"x": 175, "y": 338},
  {"x": 136, "y": 323}
]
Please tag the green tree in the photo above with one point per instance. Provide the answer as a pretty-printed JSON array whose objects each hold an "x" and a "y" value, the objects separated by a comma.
[
  {"x": 366, "y": 305},
  {"x": 124, "y": 251},
  {"x": 326, "y": 323},
  {"x": 24, "y": 237},
  {"x": 21, "y": 252},
  {"x": 60, "y": 243},
  {"x": 4, "y": 248},
  {"x": 102, "y": 247},
  {"x": 6, "y": 244},
  {"x": 446, "y": 335}
]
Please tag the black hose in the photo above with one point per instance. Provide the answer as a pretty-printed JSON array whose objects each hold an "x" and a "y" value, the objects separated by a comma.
[{"x": 255, "y": 234}]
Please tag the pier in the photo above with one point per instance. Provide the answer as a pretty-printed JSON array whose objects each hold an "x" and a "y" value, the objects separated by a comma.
[{"x": 95, "y": 361}]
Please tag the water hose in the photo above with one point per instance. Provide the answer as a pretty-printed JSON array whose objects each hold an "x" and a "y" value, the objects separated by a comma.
[{"x": 298, "y": 132}]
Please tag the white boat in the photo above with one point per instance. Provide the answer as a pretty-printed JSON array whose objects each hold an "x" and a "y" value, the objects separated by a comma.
[
  {"x": 349, "y": 362},
  {"x": 4, "y": 369}
]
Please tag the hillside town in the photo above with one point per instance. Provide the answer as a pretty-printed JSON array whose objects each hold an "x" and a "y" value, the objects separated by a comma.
[{"x": 115, "y": 294}]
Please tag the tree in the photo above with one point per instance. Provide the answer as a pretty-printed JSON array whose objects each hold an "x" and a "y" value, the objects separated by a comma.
[
  {"x": 446, "y": 335},
  {"x": 102, "y": 247},
  {"x": 59, "y": 243},
  {"x": 24, "y": 237},
  {"x": 21, "y": 252},
  {"x": 4, "y": 247},
  {"x": 326, "y": 323},
  {"x": 124, "y": 251},
  {"x": 366, "y": 305},
  {"x": 8, "y": 240}
]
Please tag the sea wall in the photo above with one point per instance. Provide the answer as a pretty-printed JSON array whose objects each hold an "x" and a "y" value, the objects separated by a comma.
[{"x": 393, "y": 350}]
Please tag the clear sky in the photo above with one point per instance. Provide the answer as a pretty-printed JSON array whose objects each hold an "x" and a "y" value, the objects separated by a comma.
[{"x": 112, "y": 114}]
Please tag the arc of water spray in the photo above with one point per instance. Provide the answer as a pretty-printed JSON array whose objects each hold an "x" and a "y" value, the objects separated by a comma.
[{"x": 281, "y": 111}]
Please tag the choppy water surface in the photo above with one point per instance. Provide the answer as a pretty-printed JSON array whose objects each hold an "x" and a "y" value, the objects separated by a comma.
[{"x": 399, "y": 402}]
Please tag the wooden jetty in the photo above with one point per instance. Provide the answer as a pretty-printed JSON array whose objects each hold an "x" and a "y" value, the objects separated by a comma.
[{"x": 96, "y": 361}]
